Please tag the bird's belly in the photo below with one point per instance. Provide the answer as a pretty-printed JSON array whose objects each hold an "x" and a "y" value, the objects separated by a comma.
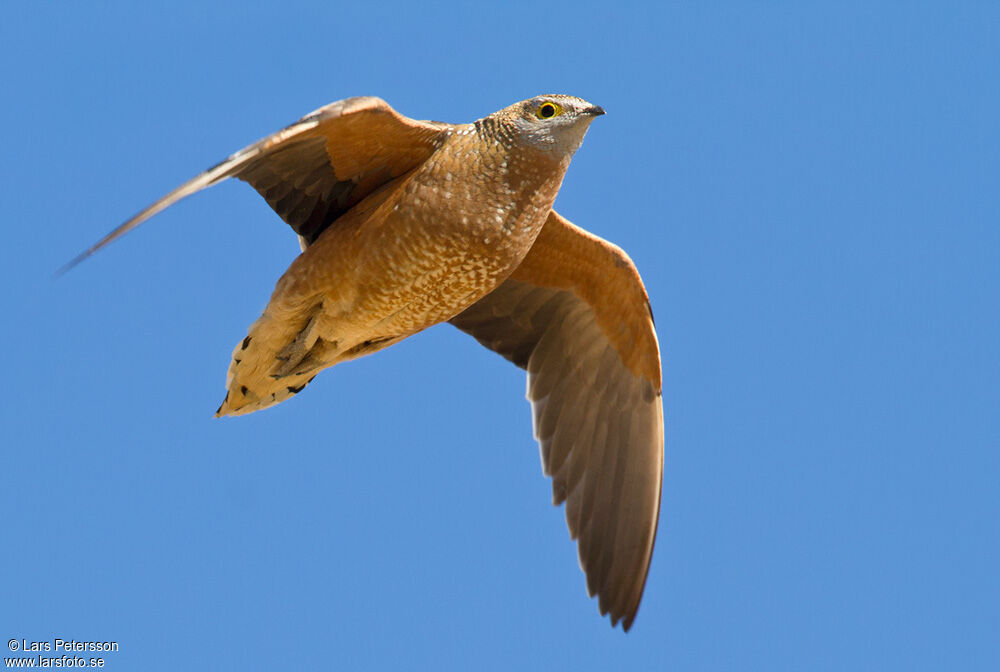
[
  {"x": 427, "y": 252},
  {"x": 433, "y": 296},
  {"x": 398, "y": 270},
  {"x": 424, "y": 277}
]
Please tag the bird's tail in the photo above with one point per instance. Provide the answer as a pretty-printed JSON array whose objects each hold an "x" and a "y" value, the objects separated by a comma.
[{"x": 269, "y": 366}]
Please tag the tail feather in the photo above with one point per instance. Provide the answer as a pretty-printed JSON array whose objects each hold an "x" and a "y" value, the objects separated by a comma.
[
  {"x": 256, "y": 378},
  {"x": 283, "y": 352}
]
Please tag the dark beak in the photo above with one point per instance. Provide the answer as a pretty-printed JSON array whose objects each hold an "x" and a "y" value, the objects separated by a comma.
[{"x": 594, "y": 110}]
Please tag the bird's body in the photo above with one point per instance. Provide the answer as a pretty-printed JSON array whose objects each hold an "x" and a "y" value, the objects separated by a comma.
[
  {"x": 406, "y": 224},
  {"x": 414, "y": 253}
]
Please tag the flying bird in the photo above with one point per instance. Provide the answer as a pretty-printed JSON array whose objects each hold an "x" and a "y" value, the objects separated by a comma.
[{"x": 405, "y": 224}]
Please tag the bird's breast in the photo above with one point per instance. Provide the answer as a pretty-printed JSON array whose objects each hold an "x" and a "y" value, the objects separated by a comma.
[{"x": 476, "y": 197}]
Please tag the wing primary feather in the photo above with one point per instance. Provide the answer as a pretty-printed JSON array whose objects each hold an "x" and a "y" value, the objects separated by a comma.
[
  {"x": 612, "y": 491},
  {"x": 206, "y": 179},
  {"x": 220, "y": 171}
]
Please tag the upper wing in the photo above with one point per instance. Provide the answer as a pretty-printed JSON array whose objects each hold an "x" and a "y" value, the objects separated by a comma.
[
  {"x": 576, "y": 316},
  {"x": 316, "y": 169}
]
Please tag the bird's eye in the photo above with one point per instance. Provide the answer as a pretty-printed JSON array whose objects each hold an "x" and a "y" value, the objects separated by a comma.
[{"x": 548, "y": 110}]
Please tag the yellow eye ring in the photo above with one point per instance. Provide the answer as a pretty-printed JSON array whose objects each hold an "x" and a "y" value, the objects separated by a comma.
[{"x": 548, "y": 109}]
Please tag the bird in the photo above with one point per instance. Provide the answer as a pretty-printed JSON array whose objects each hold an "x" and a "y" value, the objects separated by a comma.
[{"x": 405, "y": 224}]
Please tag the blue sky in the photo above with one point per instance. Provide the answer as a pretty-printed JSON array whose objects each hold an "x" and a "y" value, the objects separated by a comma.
[{"x": 810, "y": 194}]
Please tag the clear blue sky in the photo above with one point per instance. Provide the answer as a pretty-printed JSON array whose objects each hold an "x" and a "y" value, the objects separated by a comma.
[{"x": 811, "y": 195}]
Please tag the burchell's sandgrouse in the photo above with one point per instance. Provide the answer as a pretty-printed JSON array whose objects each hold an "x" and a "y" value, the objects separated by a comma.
[{"x": 405, "y": 224}]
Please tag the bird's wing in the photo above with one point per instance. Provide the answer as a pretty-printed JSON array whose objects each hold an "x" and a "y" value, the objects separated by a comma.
[
  {"x": 316, "y": 169},
  {"x": 576, "y": 315}
]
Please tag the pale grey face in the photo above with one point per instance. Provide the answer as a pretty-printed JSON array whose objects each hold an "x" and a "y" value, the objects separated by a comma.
[{"x": 554, "y": 122}]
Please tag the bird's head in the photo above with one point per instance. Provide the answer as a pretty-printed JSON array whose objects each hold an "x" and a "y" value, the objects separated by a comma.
[{"x": 555, "y": 123}]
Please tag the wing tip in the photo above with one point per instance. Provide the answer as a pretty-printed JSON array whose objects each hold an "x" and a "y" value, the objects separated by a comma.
[
  {"x": 73, "y": 263},
  {"x": 625, "y": 617}
]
